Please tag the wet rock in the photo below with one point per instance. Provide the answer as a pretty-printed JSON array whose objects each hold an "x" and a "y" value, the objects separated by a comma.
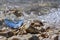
[
  {"x": 1, "y": 22},
  {"x": 9, "y": 34},
  {"x": 34, "y": 38},
  {"x": 32, "y": 30}
]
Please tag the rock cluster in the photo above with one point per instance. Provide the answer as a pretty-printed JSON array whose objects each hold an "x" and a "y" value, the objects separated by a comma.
[{"x": 31, "y": 29}]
